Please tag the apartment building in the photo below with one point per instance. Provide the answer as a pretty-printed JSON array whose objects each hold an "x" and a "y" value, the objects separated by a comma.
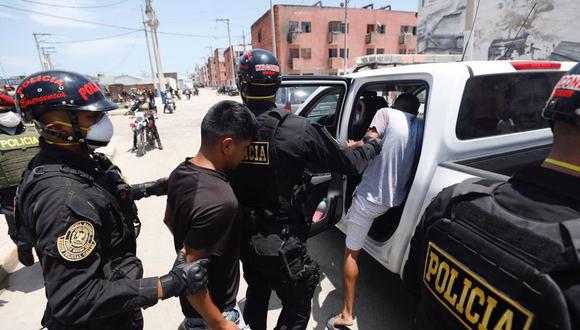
[
  {"x": 238, "y": 52},
  {"x": 310, "y": 39}
]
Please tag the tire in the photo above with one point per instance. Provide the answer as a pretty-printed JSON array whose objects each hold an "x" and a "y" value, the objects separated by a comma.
[
  {"x": 140, "y": 143},
  {"x": 150, "y": 137}
]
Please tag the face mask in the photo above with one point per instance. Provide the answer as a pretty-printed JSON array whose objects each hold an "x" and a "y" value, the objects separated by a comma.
[
  {"x": 10, "y": 119},
  {"x": 12, "y": 93},
  {"x": 100, "y": 133}
]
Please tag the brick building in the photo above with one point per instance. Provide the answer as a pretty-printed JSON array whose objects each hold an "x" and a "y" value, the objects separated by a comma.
[
  {"x": 238, "y": 52},
  {"x": 310, "y": 39},
  {"x": 219, "y": 67}
]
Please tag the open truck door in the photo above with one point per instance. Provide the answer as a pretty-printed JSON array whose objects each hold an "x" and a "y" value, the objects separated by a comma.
[{"x": 323, "y": 105}]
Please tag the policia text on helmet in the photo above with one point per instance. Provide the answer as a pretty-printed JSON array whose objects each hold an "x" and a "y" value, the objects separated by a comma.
[
  {"x": 67, "y": 108},
  {"x": 563, "y": 110}
]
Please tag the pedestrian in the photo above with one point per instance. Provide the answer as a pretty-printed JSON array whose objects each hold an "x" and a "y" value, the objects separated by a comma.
[
  {"x": 517, "y": 238},
  {"x": 274, "y": 254},
  {"x": 18, "y": 144},
  {"x": 384, "y": 185},
  {"x": 202, "y": 214},
  {"x": 74, "y": 207}
]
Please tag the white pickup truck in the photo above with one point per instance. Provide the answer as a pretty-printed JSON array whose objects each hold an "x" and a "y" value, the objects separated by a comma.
[{"x": 481, "y": 119}]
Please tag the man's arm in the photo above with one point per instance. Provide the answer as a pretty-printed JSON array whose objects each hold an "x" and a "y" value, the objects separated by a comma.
[
  {"x": 201, "y": 301},
  {"x": 323, "y": 149},
  {"x": 146, "y": 189}
]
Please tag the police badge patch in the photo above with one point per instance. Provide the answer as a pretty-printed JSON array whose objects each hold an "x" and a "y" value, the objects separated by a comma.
[{"x": 78, "y": 241}]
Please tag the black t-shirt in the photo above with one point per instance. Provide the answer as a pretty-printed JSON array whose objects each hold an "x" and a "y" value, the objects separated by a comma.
[{"x": 204, "y": 214}]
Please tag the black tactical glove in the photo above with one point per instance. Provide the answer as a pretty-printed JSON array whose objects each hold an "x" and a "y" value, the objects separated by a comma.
[
  {"x": 377, "y": 144},
  {"x": 157, "y": 188},
  {"x": 184, "y": 278}
]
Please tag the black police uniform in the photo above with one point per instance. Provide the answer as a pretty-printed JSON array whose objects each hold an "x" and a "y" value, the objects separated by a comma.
[
  {"x": 521, "y": 219},
  {"x": 83, "y": 231},
  {"x": 274, "y": 252}
]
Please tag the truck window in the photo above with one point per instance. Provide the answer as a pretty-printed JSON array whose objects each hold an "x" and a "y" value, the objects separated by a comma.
[
  {"x": 504, "y": 103},
  {"x": 291, "y": 97}
]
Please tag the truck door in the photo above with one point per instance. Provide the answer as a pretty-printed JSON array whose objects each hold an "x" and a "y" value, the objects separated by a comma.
[{"x": 320, "y": 100}]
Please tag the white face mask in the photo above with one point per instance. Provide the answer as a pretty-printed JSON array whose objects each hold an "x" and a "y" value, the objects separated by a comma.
[
  {"x": 100, "y": 133},
  {"x": 10, "y": 119},
  {"x": 11, "y": 93}
]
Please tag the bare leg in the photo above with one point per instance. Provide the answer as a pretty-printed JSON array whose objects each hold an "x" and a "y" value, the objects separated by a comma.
[{"x": 350, "y": 276}]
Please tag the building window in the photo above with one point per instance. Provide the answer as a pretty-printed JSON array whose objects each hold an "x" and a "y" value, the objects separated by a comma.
[
  {"x": 342, "y": 53},
  {"x": 370, "y": 51},
  {"x": 294, "y": 52},
  {"x": 414, "y": 30},
  {"x": 259, "y": 35},
  {"x": 380, "y": 28},
  {"x": 335, "y": 26},
  {"x": 380, "y": 50},
  {"x": 306, "y": 53},
  {"x": 370, "y": 28},
  {"x": 404, "y": 29},
  {"x": 401, "y": 51},
  {"x": 306, "y": 27},
  {"x": 410, "y": 51},
  {"x": 293, "y": 26},
  {"x": 332, "y": 52}
]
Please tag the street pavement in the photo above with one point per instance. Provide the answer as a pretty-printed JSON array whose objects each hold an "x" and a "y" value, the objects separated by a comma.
[{"x": 381, "y": 301}]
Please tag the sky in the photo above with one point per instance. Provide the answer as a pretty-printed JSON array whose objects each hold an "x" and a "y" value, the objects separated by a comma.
[{"x": 120, "y": 49}]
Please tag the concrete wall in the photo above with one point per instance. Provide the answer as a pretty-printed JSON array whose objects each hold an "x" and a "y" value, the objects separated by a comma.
[{"x": 551, "y": 32}]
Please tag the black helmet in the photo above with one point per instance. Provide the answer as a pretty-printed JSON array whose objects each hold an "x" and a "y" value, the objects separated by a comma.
[
  {"x": 259, "y": 75},
  {"x": 564, "y": 104},
  {"x": 51, "y": 90}
]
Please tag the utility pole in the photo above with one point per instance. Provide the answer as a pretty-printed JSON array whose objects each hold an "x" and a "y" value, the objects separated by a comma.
[
  {"x": 153, "y": 24},
  {"x": 244, "y": 40},
  {"x": 273, "y": 29},
  {"x": 148, "y": 50},
  {"x": 344, "y": 62},
  {"x": 37, "y": 42},
  {"x": 46, "y": 52},
  {"x": 227, "y": 21}
]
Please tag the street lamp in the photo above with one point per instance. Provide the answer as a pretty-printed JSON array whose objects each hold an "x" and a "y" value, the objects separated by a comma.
[{"x": 344, "y": 59}]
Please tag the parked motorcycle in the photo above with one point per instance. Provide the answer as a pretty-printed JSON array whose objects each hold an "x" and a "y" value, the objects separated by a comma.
[
  {"x": 233, "y": 92},
  {"x": 144, "y": 130},
  {"x": 169, "y": 104}
]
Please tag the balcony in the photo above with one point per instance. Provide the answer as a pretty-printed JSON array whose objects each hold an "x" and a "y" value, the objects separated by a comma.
[
  {"x": 335, "y": 63},
  {"x": 335, "y": 38},
  {"x": 371, "y": 38},
  {"x": 296, "y": 63},
  {"x": 406, "y": 39},
  {"x": 294, "y": 37}
]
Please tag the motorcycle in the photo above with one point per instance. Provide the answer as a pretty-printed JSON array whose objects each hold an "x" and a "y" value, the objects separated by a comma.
[
  {"x": 169, "y": 104},
  {"x": 233, "y": 92},
  {"x": 144, "y": 130},
  {"x": 196, "y": 92}
]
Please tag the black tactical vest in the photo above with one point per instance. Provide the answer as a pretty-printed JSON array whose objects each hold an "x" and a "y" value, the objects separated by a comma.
[
  {"x": 488, "y": 268},
  {"x": 260, "y": 181},
  {"x": 15, "y": 153}
]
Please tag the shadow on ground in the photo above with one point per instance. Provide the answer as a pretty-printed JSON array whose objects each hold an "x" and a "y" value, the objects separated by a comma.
[
  {"x": 381, "y": 300},
  {"x": 26, "y": 279}
]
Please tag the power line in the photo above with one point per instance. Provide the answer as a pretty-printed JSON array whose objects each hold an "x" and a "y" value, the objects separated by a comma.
[
  {"x": 89, "y": 40},
  {"x": 77, "y": 7},
  {"x": 107, "y": 24}
]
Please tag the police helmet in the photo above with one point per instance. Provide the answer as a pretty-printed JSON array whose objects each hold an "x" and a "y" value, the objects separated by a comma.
[
  {"x": 564, "y": 103},
  {"x": 259, "y": 75},
  {"x": 6, "y": 103},
  {"x": 59, "y": 90}
]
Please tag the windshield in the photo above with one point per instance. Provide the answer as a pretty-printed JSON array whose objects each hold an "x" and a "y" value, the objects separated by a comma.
[{"x": 504, "y": 103}]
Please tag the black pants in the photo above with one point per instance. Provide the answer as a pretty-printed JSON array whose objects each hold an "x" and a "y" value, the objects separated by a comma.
[{"x": 296, "y": 295}]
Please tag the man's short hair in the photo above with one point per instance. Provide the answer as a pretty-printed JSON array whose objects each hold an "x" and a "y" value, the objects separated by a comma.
[
  {"x": 408, "y": 103},
  {"x": 228, "y": 118}
]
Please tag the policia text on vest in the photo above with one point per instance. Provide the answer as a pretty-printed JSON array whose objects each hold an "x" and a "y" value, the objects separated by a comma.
[
  {"x": 19, "y": 141},
  {"x": 475, "y": 303}
]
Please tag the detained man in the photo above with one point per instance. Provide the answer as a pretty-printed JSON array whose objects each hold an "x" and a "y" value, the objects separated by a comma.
[
  {"x": 384, "y": 185},
  {"x": 202, "y": 215}
]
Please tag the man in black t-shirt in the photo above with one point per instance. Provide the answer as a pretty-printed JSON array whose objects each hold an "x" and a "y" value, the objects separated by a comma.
[{"x": 202, "y": 215}]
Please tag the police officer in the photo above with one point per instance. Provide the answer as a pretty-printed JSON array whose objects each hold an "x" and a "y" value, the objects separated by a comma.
[
  {"x": 535, "y": 213},
  {"x": 74, "y": 207},
  {"x": 269, "y": 185},
  {"x": 18, "y": 144}
]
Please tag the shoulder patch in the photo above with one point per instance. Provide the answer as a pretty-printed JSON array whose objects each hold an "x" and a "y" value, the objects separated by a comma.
[{"x": 78, "y": 242}]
